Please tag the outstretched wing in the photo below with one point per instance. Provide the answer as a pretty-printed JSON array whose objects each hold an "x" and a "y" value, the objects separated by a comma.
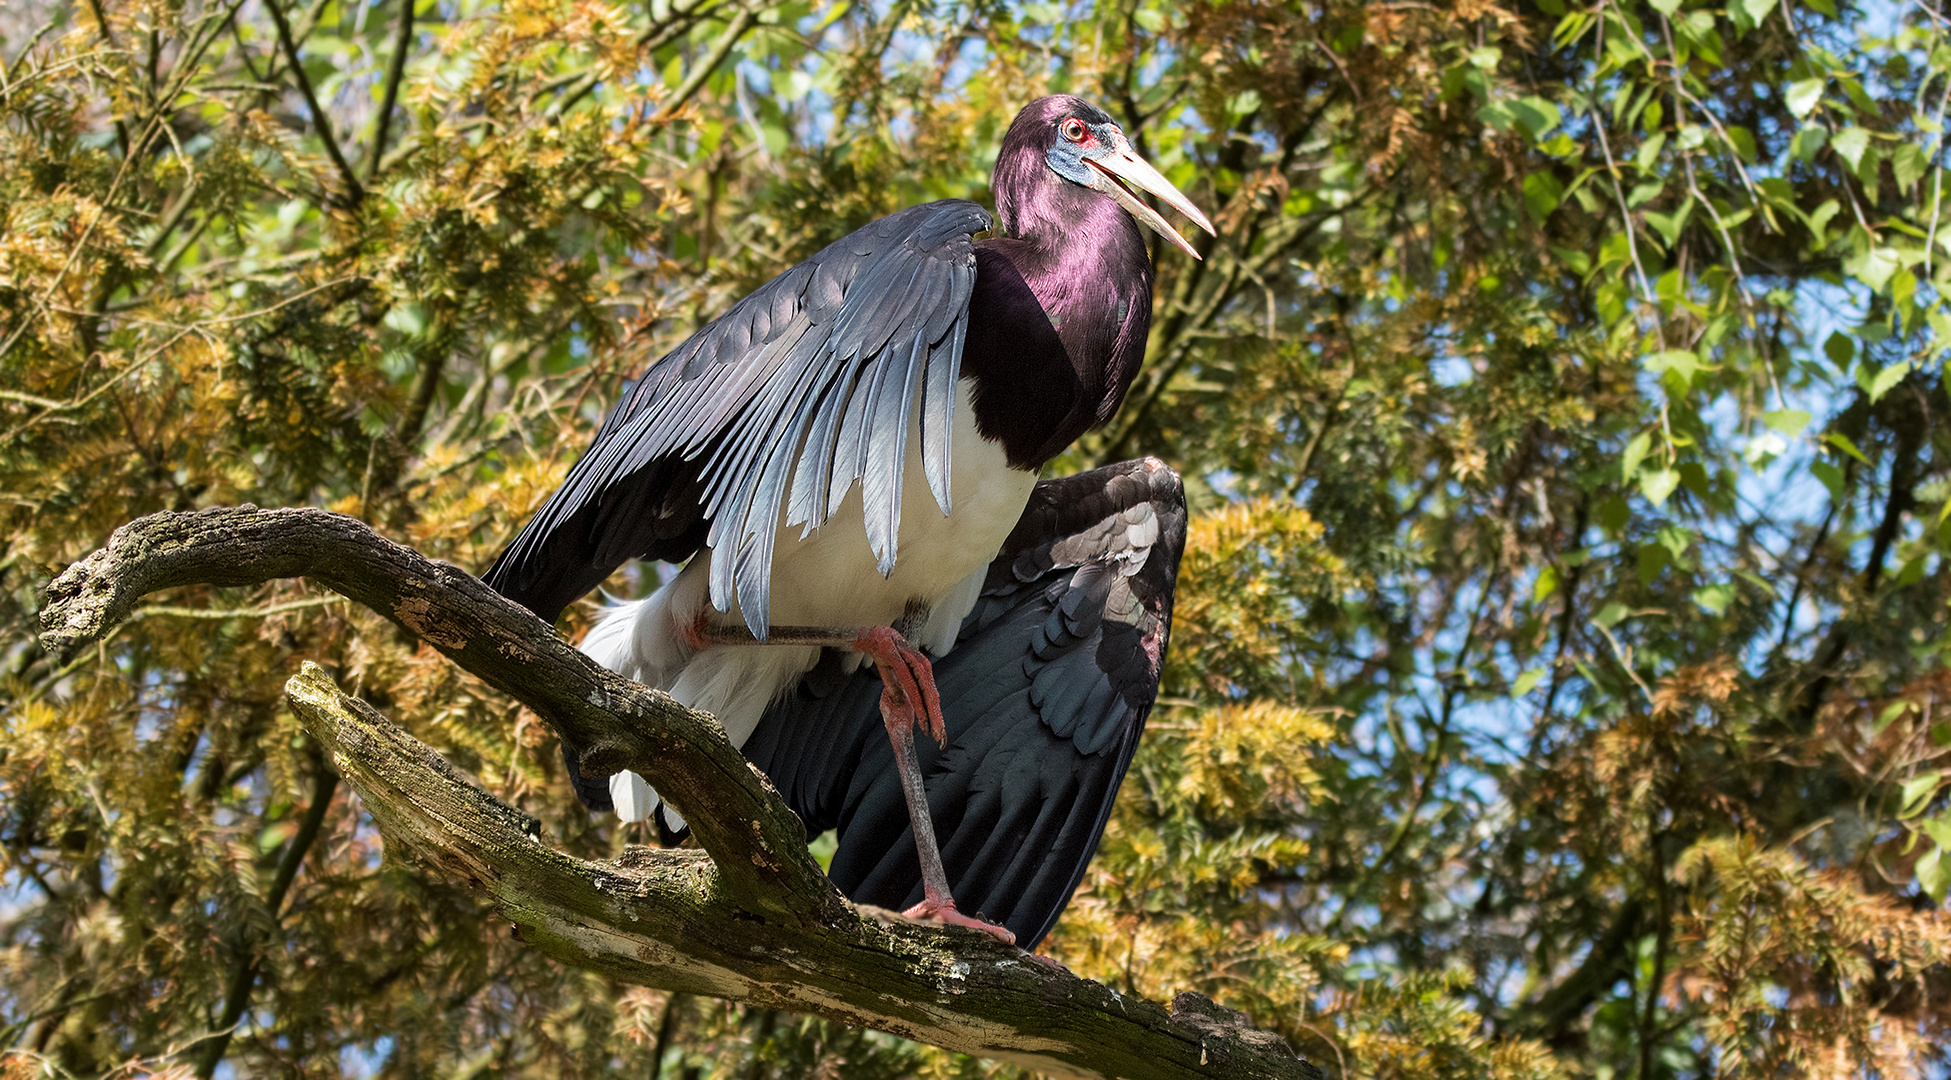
[
  {"x": 1045, "y": 694},
  {"x": 801, "y": 389}
]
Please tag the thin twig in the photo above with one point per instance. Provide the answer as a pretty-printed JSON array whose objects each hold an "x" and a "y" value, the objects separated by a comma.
[
  {"x": 702, "y": 69},
  {"x": 395, "y": 71},
  {"x": 245, "y": 975},
  {"x": 321, "y": 123}
]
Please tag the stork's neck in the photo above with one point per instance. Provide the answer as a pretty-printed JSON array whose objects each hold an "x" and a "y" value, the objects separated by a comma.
[
  {"x": 1086, "y": 261},
  {"x": 1078, "y": 263}
]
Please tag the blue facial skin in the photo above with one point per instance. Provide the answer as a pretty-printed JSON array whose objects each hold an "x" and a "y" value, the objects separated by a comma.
[{"x": 1067, "y": 156}]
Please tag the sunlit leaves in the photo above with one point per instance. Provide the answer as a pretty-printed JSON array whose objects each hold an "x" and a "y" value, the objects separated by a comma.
[{"x": 1562, "y": 410}]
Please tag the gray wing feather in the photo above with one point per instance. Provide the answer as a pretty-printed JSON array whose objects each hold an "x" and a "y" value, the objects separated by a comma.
[{"x": 798, "y": 392}]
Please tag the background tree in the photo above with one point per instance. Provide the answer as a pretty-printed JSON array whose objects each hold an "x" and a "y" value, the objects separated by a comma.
[{"x": 1558, "y": 684}]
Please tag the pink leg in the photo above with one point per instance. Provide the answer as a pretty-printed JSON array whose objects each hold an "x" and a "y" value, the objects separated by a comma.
[
  {"x": 936, "y": 903},
  {"x": 909, "y": 700}
]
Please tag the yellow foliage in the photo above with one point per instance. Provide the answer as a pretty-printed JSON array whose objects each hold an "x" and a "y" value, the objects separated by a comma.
[{"x": 1802, "y": 971}]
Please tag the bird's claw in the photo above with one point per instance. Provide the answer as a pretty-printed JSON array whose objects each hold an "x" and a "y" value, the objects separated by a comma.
[
  {"x": 943, "y": 911},
  {"x": 696, "y": 633},
  {"x": 909, "y": 678}
]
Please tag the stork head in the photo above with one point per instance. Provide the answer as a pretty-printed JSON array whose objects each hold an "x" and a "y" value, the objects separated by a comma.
[{"x": 1065, "y": 139}]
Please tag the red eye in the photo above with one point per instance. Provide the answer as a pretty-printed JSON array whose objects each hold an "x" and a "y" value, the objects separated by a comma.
[{"x": 1072, "y": 129}]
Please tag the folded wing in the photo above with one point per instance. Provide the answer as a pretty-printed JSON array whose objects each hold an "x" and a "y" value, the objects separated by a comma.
[{"x": 801, "y": 390}]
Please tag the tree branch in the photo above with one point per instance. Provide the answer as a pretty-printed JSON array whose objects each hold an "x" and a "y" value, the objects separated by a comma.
[
  {"x": 245, "y": 976},
  {"x": 750, "y": 919},
  {"x": 321, "y": 123},
  {"x": 702, "y": 70},
  {"x": 395, "y": 71}
]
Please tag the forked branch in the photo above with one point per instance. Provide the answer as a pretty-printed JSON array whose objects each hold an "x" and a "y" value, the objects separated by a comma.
[{"x": 751, "y": 918}]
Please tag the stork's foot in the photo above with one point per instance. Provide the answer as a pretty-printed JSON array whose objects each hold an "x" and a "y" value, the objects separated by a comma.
[
  {"x": 943, "y": 911},
  {"x": 698, "y": 634},
  {"x": 909, "y": 678}
]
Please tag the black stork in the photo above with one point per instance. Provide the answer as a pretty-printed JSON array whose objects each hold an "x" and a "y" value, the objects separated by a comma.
[{"x": 840, "y": 457}]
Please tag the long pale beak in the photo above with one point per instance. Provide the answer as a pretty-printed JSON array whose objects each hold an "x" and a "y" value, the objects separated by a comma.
[{"x": 1120, "y": 169}]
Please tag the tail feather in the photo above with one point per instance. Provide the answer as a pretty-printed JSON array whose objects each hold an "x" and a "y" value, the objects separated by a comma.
[{"x": 639, "y": 640}]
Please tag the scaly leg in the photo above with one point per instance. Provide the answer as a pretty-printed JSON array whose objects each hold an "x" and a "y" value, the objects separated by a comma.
[{"x": 909, "y": 700}]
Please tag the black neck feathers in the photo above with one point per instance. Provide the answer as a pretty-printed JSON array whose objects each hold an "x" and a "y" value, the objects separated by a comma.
[{"x": 1058, "y": 321}]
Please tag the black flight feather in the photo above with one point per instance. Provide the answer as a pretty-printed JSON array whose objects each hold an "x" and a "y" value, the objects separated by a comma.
[{"x": 1044, "y": 694}]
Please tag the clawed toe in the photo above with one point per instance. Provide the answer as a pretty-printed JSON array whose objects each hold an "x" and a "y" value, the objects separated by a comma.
[{"x": 944, "y": 912}]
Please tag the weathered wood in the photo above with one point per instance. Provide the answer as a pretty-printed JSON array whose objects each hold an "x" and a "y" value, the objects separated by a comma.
[{"x": 751, "y": 918}]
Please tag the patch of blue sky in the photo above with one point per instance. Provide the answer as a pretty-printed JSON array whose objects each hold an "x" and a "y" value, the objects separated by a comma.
[{"x": 361, "y": 1060}]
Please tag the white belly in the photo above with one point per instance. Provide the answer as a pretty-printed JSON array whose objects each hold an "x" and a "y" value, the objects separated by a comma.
[{"x": 829, "y": 579}]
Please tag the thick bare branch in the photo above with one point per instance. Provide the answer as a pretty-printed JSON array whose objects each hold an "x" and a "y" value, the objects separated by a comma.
[
  {"x": 624, "y": 725},
  {"x": 751, "y": 918}
]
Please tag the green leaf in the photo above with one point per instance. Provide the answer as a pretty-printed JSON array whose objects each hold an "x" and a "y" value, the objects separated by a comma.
[
  {"x": 1527, "y": 682},
  {"x": 1764, "y": 448},
  {"x": 1934, "y": 875},
  {"x": 1841, "y": 442},
  {"x": 1546, "y": 584},
  {"x": 1714, "y": 598},
  {"x": 1840, "y": 348},
  {"x": 408, "y": 319},
  {"x": 1818, "y": 219},
  {"x": 1890, "y": 713},
  {"x": 1615, "y": 513},
  {"x": 1653, "y": 561},
  {"x": 1649, "y": 151},
  {"x": 1682, "y": 364},
  {"x": 1757, "y": 9},
  {"x": 1850, "y": 142},
  {"x": 1887, "y": 380},
  {"x": 1542, "y": 194},
  {"x": 1803, "y": 96},
  {"x": 1742, "y": 140},
  {"x": 1916, "y": 793},
  {"x": 1761, "y": 584},
  {"x": 1611, "y": 615},
  {"x": 1939, "y": 829},
  {"x": 1658, "y": 486},
  {"x": 1808, "y": 142},
  {"x": 1831, "y": 477},
  {"x": 1874, "y": 267},
  {"x": 1497, "y": 116},
  {"x": 1635, "y": 453},
  {"x": 1669, "y": 226},
  {"x": 1909, "y": 164},
  {"x": 1486, "y": 57},
  {"x": 1789, "y": 422},
  {"x": 1537, "y": 115}
]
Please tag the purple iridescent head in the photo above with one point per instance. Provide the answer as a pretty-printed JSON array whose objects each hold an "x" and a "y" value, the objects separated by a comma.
[{"x": 1082, "y": 145}]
